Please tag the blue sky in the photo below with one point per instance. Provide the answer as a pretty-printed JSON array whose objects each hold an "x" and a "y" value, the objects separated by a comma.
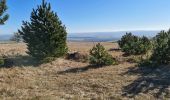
[{"x": 96, "y": 15}]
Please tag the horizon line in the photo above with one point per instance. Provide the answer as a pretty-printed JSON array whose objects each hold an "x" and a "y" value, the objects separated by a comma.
[
  {"x": 120, "y": 31},
  {"x": 130, "y": 30}
]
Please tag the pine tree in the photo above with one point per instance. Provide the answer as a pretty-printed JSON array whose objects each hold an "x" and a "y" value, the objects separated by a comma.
[
  {"x": 3, "y": 8},
  {"x": 100, "y": 57},
  {"x": 134, "y": 45},
  {"x": 45, "y": 35},
  {"x": 161, "y": 54}
]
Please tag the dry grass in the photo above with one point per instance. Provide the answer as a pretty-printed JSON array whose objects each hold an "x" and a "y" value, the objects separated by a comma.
[{"x": 64, "y": 79}]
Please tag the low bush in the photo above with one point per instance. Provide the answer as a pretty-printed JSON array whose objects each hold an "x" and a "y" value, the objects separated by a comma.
[
  {"x": 146, "y": 63},
  {"x": 134, "y": 45},
  {"x": 6, "y": 62},
  {"x": 161, "y": 52},
  {"x": 100, "y": 57},
  {"x": 1, "y": 62}
]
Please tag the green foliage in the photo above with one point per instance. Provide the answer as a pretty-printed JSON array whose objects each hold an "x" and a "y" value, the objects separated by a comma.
[
  {"x": 1, "y": 61},
  {"x": 3, "y": 8},
  {"x": 161, "y": 52},
  {"x": 100, "y": 57},
  {"x": 16, "y": 37},
  {"x": 134, "y": 59},
  {"x": 147, "y": 63},
  {"x": 45, "y": 35},
  {"x": 6, "y": 62},
  {"x": 134, "y": 45},
  {"x": 47, "y": 60}
]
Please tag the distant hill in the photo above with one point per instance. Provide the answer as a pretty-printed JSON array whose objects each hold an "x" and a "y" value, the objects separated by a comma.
[
  {"x": 96, "y": 36},
  {"x": 5, "y": 37},
  {"x": 106, "y": 36}
]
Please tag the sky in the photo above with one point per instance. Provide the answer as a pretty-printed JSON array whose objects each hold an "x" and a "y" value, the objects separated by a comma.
[{"x": 95, "y": 15}]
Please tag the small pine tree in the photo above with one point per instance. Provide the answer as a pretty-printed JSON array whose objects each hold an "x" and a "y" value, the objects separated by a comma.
[
  {"x": 3, "y": 8},
  {"x": 134, "y": 45},
  {"x": 143, "y": 45},
  {"x": 45, "y": 35},
  {"x": 161, "y": 52},
  {"x": 100, "y": 57},
  {"x": 128, "y": 43},
  {"x": 127, "y": 39}
]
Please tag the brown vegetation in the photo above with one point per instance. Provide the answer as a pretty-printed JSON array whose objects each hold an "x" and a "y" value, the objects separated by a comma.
[{"x": 66, "y": 79}]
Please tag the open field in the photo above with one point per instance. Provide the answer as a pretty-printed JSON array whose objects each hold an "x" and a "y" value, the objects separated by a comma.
[{"x": 71, "y": 80}]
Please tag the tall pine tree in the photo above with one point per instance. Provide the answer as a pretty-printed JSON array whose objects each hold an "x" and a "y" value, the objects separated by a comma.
[
  {"x": 3, "y": 8},
  {"x": 45, "y": 35}
]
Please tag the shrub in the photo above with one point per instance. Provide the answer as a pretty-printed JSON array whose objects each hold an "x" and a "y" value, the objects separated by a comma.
[
  {"x": 1, "y": 62},
  {"x": 126, "y": 39},
  {"x": 100, "y": 57},
  {"x": 6, "y": 62},
  {"x": 45, "y": 35},
  {"x": 3, "y": 16},
  {"x": 146, "y": 63},
  {"x": 161, "y": 52},
  {"x": 134, "y": 45},
  {"x": 145, "y": 45}
]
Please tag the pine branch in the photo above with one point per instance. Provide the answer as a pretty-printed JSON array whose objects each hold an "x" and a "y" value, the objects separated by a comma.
[{"x": 3, "y": 9}]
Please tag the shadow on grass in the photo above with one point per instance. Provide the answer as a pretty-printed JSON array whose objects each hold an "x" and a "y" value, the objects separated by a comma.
[
  {"x": 150, "y": 79},
  {"x": 114, "y": 49},
  {"x": 78, "y": 70},
  {"x": 20, "y": 61},
  {"x": 26, "y": 61}
]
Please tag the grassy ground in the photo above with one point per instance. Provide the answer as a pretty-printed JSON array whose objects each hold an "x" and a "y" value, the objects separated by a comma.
[{"x": 70, "y": 80}]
